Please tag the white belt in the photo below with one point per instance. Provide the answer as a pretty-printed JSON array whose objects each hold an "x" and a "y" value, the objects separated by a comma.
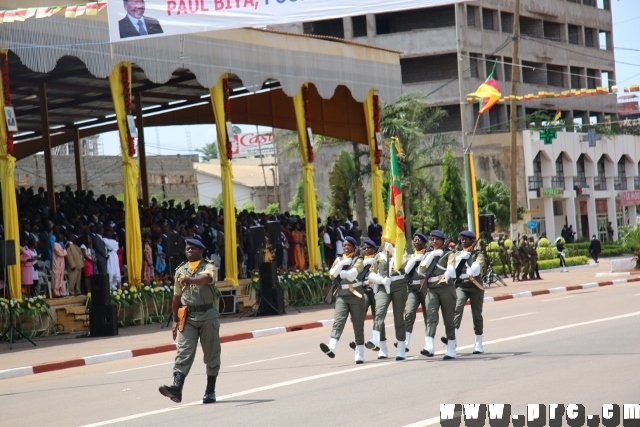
[
  {"x": 396, "y": 278},
  {"x": 464, "y": 276},
  {"x": 387, "y": 288},
  {"x": 416, "y": 282},
  {"x": 433, "y": 280},
  {"x": 351, "y": 284}
]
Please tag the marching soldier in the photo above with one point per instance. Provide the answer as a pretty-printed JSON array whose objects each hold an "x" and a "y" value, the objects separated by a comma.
[
  {"x": 195, "y": 282},
  {"x": 349, "y": 300},
  {"x": 390, "y": 287},
  {"x": 465, "y": 269},
  {"x": 415, "y": 297},
  {"x": 441, "y": 294},
  {"x": 504, "y": 257}
]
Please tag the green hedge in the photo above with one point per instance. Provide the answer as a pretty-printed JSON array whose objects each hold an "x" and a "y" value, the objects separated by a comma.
[{"x": 549, "y": 263}]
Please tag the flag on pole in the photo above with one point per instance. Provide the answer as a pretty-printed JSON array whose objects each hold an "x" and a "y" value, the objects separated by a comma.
[
  {"x": 558, "y": 116},
  {"x": 488, "y": 92},
  {"x": 394, "y": 229}
]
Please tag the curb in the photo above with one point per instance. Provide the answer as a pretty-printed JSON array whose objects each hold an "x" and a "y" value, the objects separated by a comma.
[{"x": 125, "y": 354}]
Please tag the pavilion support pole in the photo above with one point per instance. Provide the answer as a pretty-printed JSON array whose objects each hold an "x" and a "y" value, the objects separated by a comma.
[
  {"x": 377, "y": 204},
  {"x": 310, "y": 208},
  {"x": 77, "y": 154},
  {"x": 219, "y": 104},
  {"x": 7, "y": 181},
  {"x": 142, "y": 152},
  {"x": 46, "y": 141},
  {"x": 120, "y": 83}
]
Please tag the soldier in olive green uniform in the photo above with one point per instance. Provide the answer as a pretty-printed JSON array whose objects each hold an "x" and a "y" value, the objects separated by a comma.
[
  {"x": 441, "y": 294},
  {"x": 415, "y": 297},
  {"x": 534, "y": 272},
  {"x": 525, "y": 258},
  {"x": 390, "y": 287},
  {"x": 465, "y": 269},
  {"x": 195, "y": 282},
  {"x": 349, "y": 301},
  {"x": 516, "y": 261},
  {"x": 504, "y": 258}
]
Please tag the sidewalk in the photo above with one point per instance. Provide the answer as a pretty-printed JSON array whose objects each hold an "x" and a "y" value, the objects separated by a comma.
[{"x": 66, "y": 350}]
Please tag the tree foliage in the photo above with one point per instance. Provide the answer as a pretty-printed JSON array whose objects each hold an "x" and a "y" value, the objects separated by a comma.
[
  {"x": 296, "y": 207},
  {"x": 495, "y": 198},
  {"x": 342, "y": 185},
  {"x": 448, "y": 211},
  {"x": 209, "y": 151}
]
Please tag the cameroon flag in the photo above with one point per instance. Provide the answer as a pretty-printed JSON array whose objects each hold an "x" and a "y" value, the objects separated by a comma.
[{"x": 394, "y": 231}]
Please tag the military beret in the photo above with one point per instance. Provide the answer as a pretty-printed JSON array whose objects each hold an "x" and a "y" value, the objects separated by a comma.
[
  {"x": 468, "y": 234},
  {"x": 438, "y": 234},
  {"x": 370, "y": 242},
  {"x": 421, "y": 236},
  {"x": 351, "y": 240},
  {"x": 196, "y": 243}
]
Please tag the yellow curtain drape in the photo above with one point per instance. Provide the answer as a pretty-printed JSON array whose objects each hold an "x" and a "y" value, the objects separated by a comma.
[
  {"x": 474, "y": 195},
  {"x": 310, "y": 208},
  {"x": 230, "y": 238},
  {"x": 9, "y": 205},
  {"x": 133, "y": 236},
  {"x": 377, "y": 204}
]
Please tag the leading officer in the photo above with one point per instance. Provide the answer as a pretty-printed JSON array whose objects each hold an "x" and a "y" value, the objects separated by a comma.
[{"x": 195, "y": 289}]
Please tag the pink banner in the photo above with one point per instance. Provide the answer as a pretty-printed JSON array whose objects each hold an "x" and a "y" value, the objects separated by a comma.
[{"x": 630, "y": 198}]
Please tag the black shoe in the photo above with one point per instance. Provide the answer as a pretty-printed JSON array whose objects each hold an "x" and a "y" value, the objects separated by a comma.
[
  {"x": 359, "y": 362},
  {"x": 210, "y": 391},
  {"x": 369, "y": 344},
  {"x": 326, "y": 350},
  {"x": 174, "y": 392},
  {"x": 382, "y": 357},
  {"x": 478, "y": 352},
  {"x": 444, "y": 340},
  {"x": 399, "y": 358},
  {"x": 448, "y": 358},
  {"x": 352, "y": 345},
  {"x": 424, "y": 352}
]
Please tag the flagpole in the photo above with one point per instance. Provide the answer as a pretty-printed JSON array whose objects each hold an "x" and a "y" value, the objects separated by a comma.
[
  {"x": 463, "y": 107},
  {"x": 515, "y": 72}
]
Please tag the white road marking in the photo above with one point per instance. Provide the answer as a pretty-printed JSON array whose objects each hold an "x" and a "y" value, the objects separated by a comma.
[
  {"x": 427, "y": 422},
  {"x": 511, "y": 317},
  {"x": 141, "y": 367},
  {"x": 556, "y": 299},
  {"x": 637, "y": 295},
  {"x": 358, "y": 369},
  {"x": 268, "y": 360}
]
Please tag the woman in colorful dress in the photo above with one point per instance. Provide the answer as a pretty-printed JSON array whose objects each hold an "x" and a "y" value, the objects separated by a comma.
[{"x": 298, "y": 253}]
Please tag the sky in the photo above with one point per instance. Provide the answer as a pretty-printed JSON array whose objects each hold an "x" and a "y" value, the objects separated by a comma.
[{"x": 170, "y": 140}]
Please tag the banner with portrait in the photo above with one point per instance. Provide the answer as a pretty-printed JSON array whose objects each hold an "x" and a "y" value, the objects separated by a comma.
[{"x": 155, "y": 18}]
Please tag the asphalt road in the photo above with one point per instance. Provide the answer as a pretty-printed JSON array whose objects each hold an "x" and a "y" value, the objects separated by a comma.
[{"x": 564, "y": 348}]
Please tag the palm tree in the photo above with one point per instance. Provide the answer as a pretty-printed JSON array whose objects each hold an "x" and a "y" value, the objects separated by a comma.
[
  {"x": 209, "y": 151},
  {"x": 494, "y": 198}
]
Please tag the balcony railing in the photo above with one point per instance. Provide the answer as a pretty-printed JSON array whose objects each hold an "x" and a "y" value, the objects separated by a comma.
[
  {"x": 535, "y": 182},
  {"x": 557, "y": 182},
  {"x": 636, "y": 182},
  {"x": 600, "y": 183},
  {"x": 620, "y": 183},
  {"x": 580, "y": 182}
]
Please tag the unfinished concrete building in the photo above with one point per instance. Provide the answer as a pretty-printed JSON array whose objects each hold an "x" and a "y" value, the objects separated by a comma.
[{"x": 566, "y": 44}]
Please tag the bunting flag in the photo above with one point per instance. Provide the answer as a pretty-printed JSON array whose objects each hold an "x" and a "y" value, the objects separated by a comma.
[
  {"x": 71, "y": 11},
  {"x": 544, "y": 95},
  {"x": 394, "y": 229},
  {"x": 558, "y": 116},
  {"x": 488, "y": 92}
]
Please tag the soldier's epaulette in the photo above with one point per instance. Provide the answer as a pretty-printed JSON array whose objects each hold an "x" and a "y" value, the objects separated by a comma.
[{"x": 180, "y": 266}]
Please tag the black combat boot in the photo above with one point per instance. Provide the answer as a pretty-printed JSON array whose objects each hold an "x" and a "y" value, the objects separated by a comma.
[
  {"x": 174, "y": 392},
  {"x": 210, "y": 391}
]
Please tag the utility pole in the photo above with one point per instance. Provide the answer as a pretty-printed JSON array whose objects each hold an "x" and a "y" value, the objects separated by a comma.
[{"x": 513, "y": 122}]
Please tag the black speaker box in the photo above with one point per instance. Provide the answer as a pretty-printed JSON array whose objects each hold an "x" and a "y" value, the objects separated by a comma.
[
  {"x": 487, "y": 223},
  {"x": 273, "y": 232},
  {"x": 100, "y": 290},
  {"x": 175, "y": 245},
  {"x": 257, "y": 237},
  {"x": 103, "y": 321},
  {"x": 270, "y": 291},
  {"x": 7, "y": 252}
]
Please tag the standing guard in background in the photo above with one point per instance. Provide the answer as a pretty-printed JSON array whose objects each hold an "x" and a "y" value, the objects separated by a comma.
[
  {"x": 390, "y": 287},
  {"x": 516, "y": 261},
  {"x": 415, "y": 297},
  {"x": 465, "y": 269},
  {"x": 504, "y": 257},
  {"x": 349, "y": 300},
  {"x": 440, "y": 294},
  {"x": 369, "y": 248},
  {"x": 525, "y": 258},
  {"x": 534, "y": 272}
]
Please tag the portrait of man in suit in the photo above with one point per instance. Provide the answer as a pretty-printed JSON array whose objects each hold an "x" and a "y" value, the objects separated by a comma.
[{"x": 135, "y": 23}]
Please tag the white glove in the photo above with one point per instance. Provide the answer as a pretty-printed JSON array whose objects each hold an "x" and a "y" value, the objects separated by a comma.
[
  {"x": 388, "y": 247},
  {"x": 386, "y": 281},
  {"x": 343, "y": 274},
  {"x": 375, "y": 278},
  {"x": 474, "y": 269},
  {"x": 368, "y": 261},
  {"x": 450, "y": 273},
  {"x": 351, "y": 274},
  {"x": 463, "y": 255}
]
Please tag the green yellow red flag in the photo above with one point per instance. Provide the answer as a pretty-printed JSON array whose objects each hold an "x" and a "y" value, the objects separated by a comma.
[{"x": 394, "y": 230}]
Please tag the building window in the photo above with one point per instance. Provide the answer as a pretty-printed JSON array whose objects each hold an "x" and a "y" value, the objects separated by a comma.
[
  {"x": 359, "y": 25},
  {"x": 329, "y": 27},
  {"x": 555, "y": 75},
  {"x": 429, "y": 68},
  {"x": 589, "y": 37},
  {"x": 553, "y": 31},
  {"x": 580, "y": 181},
  {"x": 592, "y": 78},
  {"x": 472, "y": 20},
  {"x": 620, "y": 182},
  {"x": 600, "y": 182},
  {"x": 557, "y": 181},
  {"x": 577, "y": 77},
  {"x": 574, "y": 34},
  {"x": 506, "y": 22},
  {"x": 535, "y": 181},
  {"x": 489, "y": 19},
  {"x": 474, "y": 63}
]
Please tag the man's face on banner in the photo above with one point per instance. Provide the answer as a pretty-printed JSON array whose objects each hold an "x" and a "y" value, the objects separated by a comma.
[{"x": 134, "y": 8}]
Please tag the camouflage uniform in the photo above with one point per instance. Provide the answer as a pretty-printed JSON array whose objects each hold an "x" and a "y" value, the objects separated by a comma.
[
  {"x": 516, "y": 262},
  {"x": 525, "y": 258},
  {"x": 504, "y": 258}
]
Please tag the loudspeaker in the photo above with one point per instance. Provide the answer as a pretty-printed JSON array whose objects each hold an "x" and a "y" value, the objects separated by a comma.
[
  {"x": 103, "y": 321},
  {"x": 270, "y": 291},
  {"x": 175, "y": 245},
  {"x": 7, "y": 252},
  {"x": 100, "y": 290},
  {"x": 273, "y": 232},
  {"x": 487, "y": 223},
  {"x": 257, "y": 237}
]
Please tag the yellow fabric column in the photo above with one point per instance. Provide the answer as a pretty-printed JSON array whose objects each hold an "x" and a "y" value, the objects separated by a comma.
[
  {"x": 310, "y": 208},
  {"x": 8, "y": 188},
  {"x": 474, "y": 195},
  {"x": 377, "y": 204},
  {"x": 230, "y": 238},
  {"x": 133, "y": 236}
]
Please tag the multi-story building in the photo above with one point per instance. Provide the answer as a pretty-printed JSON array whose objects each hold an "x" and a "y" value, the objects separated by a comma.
[{"x": 566, "y": 44}]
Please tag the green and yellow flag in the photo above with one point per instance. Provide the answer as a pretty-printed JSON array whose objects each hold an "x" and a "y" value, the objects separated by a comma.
[{"x": 394, "y": 230}]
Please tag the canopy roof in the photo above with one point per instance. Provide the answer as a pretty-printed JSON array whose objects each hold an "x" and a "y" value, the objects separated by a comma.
[{"x": 71, "y": 58}]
